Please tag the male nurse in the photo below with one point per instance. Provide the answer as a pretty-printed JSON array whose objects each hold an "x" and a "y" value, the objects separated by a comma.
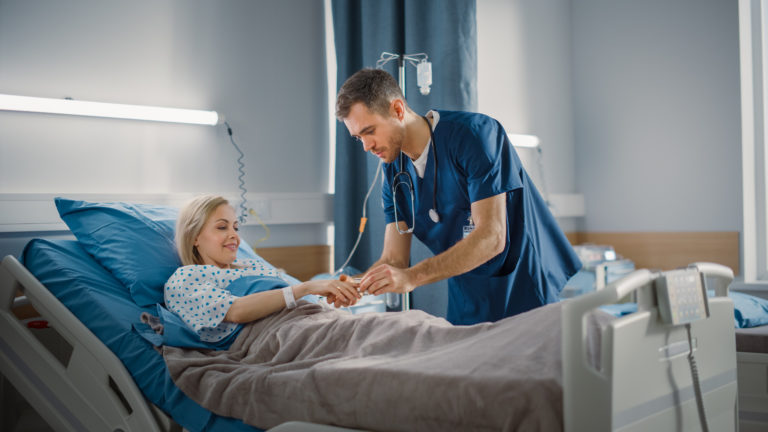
[{"x": 454, "y": 181}]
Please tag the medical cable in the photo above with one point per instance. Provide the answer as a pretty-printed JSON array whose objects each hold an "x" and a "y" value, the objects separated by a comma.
[
  {"x": 267, "y": 233},
  {"x": 241, "y": 178},
  {"x": 363, "y": 220},
  {"x": 696, "y": 385},
  {"x": 244, "y": 211}
]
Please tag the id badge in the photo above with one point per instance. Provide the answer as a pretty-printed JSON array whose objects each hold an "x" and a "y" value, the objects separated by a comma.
[{"x": 467, "y": 229}]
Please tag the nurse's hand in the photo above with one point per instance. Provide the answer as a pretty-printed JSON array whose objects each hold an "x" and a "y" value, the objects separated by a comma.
[{"x": 385, "y": 278}]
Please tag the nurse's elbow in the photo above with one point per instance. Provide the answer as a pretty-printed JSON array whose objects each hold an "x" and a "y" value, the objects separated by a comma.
[{"x": 498, "y": 242}]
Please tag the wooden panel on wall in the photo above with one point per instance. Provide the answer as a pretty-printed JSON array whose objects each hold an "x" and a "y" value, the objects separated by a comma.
[
  {"x": 301, "y": 262},
  {"x": 668, "y": 250}
]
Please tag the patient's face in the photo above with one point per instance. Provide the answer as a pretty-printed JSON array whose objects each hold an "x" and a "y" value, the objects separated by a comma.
[{"x": 218, "y": 240}]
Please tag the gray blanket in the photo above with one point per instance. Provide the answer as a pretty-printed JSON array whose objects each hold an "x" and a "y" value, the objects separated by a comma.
[{"x": 383, "y": 371}]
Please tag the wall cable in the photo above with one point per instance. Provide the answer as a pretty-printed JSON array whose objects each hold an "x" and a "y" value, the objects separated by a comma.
[{"x": 244, "y": 210}]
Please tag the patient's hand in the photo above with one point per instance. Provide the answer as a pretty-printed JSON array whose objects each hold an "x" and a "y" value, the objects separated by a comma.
[{"x": 337, "y": 292}]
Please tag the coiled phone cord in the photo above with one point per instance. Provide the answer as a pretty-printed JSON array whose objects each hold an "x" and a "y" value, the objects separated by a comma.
[{"x": 696, "y": 385}]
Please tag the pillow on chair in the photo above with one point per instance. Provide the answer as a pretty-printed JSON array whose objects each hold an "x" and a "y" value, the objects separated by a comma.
[{"x": 135, "y": 242}]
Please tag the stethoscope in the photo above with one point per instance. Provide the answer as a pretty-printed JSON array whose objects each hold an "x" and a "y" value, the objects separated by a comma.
[{"x": 403, "y": 178}]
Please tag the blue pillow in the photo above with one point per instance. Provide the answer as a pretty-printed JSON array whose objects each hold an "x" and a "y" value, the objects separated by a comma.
[
  {"x": 135, "y": 242},
  {"x": 749, "y": 311}
]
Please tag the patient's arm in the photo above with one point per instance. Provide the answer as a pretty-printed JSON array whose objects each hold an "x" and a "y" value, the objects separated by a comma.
[
  {"x": 255, "y": 306},
  {"x": 258, "y": 305}
]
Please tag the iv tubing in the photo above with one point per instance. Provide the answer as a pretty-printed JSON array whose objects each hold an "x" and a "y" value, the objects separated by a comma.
[{"x": 363, "y": 220}]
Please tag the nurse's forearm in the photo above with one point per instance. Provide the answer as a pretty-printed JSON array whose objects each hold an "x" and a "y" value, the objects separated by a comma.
[
  {"x": 399, "y": 263},
  {"x": 397, "y": 248},
  {"x": 485, "y": 242},
  {"x": 466, "y": 255}
]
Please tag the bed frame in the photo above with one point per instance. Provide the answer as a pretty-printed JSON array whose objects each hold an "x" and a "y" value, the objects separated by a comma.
[
  {"x": 92, "y": 390},
  {"x": 753, "y": 383},
  {"x": 88, "y": 389},
  {"x": 661, "y": 397},
  {"x": 753, "y": 391}
]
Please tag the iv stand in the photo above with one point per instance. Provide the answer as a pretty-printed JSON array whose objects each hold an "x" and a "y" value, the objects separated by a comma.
[
  {"x": 420, "y": 61},
  {"x": 424, "y": 74}
]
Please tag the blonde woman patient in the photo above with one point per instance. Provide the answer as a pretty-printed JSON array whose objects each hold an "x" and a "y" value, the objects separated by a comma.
[{"x": 207, "y": 241}]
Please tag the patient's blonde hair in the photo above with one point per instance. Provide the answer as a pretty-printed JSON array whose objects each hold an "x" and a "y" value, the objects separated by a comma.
[{"x": 191, "y": 221}]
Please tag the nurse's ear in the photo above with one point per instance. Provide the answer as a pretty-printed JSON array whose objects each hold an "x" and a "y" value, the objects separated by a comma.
[{"x": 397, "y": 109}]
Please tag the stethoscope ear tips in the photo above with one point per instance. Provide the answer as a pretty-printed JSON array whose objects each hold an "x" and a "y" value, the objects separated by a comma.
[{"x": 434, "y": 216}]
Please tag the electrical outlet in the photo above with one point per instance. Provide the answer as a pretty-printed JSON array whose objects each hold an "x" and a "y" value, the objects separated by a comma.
[{"x": 262, "y": 208}]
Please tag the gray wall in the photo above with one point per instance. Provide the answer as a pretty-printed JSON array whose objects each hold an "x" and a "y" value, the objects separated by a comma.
[
  {"x": 636, "y": 104},
  {"x": 656, "y": 109},
  {"x": 524, "y": 57},
  {"x": 259, "y": 62}
]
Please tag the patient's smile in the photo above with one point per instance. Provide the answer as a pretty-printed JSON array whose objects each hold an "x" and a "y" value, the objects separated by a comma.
[{"x": 220, "y": 229}]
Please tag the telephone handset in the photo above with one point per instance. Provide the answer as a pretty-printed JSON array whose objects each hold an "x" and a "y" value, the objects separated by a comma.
[{"x": 682, "y": 296}]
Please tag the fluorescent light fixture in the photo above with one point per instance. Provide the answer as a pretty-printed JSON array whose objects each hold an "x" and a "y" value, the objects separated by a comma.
[
  {"x": 520, "y": 140},
  {"x": 100, "y": 109}
]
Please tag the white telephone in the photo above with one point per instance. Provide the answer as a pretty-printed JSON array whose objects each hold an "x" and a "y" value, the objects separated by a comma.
[
  {"x": 682, "y": 299},
  {"x": 682, "y": 296}
]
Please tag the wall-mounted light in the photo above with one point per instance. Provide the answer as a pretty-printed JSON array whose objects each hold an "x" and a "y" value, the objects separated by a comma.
[
  {"x": 101, "y": 109},
  {"x": 521, "y": 140}
]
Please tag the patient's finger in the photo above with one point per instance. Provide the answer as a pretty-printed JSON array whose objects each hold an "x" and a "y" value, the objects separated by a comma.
[
  {"x": 340, "y": 302},
  {"x": 353, "y": 289},
  {"x": 349, "y": 293},
  {"x": 330, "y": 298}
]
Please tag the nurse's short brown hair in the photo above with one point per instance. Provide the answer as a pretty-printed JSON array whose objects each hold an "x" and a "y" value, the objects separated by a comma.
[{"x": 375, "y": 88}]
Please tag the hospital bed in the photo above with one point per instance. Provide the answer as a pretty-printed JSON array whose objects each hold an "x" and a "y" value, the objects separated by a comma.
[{"x": 112, "y": 379}]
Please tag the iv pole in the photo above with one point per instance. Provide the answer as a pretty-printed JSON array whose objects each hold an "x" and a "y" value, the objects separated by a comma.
[
  {"x": 420, "y": 61},
  {"x": 424, "y": 80}
]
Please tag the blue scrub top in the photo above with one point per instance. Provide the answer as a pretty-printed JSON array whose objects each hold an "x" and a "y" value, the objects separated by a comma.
[{"x": 475, "y": 161}]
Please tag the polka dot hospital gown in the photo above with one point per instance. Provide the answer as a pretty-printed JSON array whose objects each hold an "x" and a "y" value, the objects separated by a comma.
[{"x": 198, "y": 294}]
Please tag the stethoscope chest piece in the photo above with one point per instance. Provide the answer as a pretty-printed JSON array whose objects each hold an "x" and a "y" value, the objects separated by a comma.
[{"x": 434, "y": 216}]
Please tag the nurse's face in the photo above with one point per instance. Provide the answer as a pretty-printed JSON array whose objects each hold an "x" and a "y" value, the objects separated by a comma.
[
  {"x": 380, "y": 135},
  {"x": 218, "y": 241}
]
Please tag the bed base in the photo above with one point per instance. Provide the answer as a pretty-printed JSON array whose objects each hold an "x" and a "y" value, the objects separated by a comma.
[
  {"x": 753, "y": 379},
  {"x": 753, "y": 391},
  {"x": 87, "y": 388},
  {"x": 645, "y": 382}
]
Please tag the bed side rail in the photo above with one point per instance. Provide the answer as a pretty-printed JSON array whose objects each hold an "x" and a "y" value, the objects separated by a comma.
[
  {"x": 91, "y": 390},
  {"x": 587, "y": 391},
  {"x": 718, "y": 277},
  {"x": 578, "y": 374}
]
